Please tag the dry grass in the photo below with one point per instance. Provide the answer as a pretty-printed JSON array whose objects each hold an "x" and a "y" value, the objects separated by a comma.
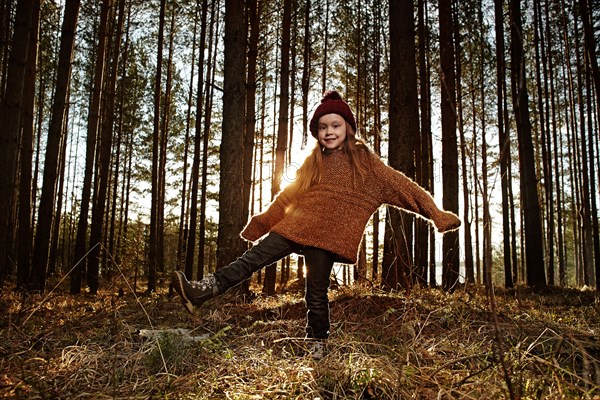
[{"x": 422, "y": 344}]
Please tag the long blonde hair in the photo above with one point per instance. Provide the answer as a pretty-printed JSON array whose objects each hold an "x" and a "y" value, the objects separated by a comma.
[{"x": 309, "y": 173}]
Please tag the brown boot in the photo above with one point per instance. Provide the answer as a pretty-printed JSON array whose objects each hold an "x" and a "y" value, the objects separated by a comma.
[{"x": 195, "y": 293}]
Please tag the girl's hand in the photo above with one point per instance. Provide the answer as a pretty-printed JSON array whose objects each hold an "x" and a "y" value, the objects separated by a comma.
[{"x": 447, "y": 221}]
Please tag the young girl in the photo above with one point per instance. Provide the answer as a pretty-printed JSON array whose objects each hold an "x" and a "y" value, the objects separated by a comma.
[{"x": 321, "y": 215}]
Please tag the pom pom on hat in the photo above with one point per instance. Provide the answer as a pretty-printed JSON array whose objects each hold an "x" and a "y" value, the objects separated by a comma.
[
  {"x": 331, "y": 103},
  {"x": 331, "y": 95}
]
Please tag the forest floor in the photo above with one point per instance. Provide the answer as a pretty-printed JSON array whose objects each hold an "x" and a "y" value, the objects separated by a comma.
[{"x": 418, "y": 344}]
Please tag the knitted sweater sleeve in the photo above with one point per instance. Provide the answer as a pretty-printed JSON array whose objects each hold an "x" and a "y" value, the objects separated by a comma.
[
  {"x": 260, "y": 224},
  {"x": 400, "y": 191}
]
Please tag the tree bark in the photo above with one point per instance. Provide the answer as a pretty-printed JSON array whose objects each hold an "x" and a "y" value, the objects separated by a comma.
[
  {"x": 469, "y": 268},
  {"x": 534, "y": 257},
  {"x": 195, "y": 176},
  {"x": 487, "y": 218},
  {"x": 306, "y": 71},
  {"x": 282, "y": 132},
  {"x": 325, "y": 48},
  {"x": 503, "y": 139},
  {"x": 423, "y": 158},
  {"x": 450, "y": 247},
  {"x": 121, "y": 146},
  {"x": 229, "y": 244},
  {"x": 25, "y": 229},
  {"x": 253, "y": 10},
  {"x": 127, "y": 142},
  {"x": 154, "y": 238},
  {"x": 377, "y": 135},
  {"x": 164, "y": 141},
  {"x": 543, "y": 65},
  {"x": 590, "y": 47},
  {"x": 210, "y": 74},
  {"x": 103, "y": 161},
  {"x": 183, "y": 214},
  {"x": 79, "y": 260},
  {"x": 55, "y": 135},
  {"x": 404, "y": 129},
  {"x": 10, "y": 125}
]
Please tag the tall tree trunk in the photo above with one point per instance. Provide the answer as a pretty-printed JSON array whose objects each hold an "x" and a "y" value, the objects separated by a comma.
[
  {"x": 25, "y": 229},
  {"x": 127, "y": 142},
  {"x": 183, "y": 213},
  {"x": 210, "y": 74},
  {"x": 261, "y": 154},
  {"x": 282, "y": 133},
  {"x": 6, "y": 13},
  {"x": 574, "y": 155},
  {"x": 555, "y": 203},
  {"x": 544, "y": 93},
  {"x": 404, "y": 129},
  {"x": 428, "y": 169},
  {"x": 124, "y": 218},
  {"x": 358, "y": 110},
  {"x": 450, "y": 266},
  {"x": 271, "y": 270},
  {"x": 79, "y": 260},
  {"x": 293, "y": 73},
  {"x": 469, "y": 268},
  {"x": 113, "y": 248},
  {"x": 10, "y": 125},
  {"x": 195, "y": 176},
  {"x": 68, "y": 226},
  {"x": 101, "y": 185},
  {"x": 592, "y": 189},
  {"x": 511, "y": 197},
  {"x": 377, "y": 104},
  {"x": 306, "y": 71},
  {"x": 570, "y": 93},
  {"x": 590, "y": 47},
  {"x": 55, "y": 135},
  {"x": 475, "y": 164},
  {"x": 487, "y": 219},
  {"x": 253, "y": 16},
  {"x": 55, "y": 233},
  {"x": 253, "y": 12},
  {"x": 164, "y": 140},
  {"x": 229, "y": 244},
  {"x": 423, "y": 160},
  {"x": 503, "y": 139},
  {"x": 325, "y": 30},
  {"x": 534, "y": 256},
  {"x": 586, "y": 210},
  {"x": 153, "y": 256}
]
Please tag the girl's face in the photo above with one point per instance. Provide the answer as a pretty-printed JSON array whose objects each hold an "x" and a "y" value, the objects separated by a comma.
[{"x": 331, "y": 131}]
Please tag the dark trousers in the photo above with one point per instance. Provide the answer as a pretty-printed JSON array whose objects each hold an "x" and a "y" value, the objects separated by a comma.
[{"x": 318, "y": 270}]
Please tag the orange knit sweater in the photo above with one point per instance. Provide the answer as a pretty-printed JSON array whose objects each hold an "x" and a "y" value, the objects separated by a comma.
[{"x": 332, "y": 215}]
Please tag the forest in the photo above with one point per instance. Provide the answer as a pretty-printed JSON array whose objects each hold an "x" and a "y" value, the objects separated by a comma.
[
  {"x": 121, "y": 146},
  {"x": 139, "y": 137}
]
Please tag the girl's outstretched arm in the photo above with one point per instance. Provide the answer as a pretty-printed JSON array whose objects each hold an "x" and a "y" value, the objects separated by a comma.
[{"x": 400, "y": 191}]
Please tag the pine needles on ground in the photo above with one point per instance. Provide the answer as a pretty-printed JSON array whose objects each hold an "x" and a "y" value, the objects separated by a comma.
[{"x": 422, "y": 344}]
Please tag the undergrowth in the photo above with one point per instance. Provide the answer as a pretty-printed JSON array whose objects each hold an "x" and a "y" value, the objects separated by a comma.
[{"x": 418, "y": 344}]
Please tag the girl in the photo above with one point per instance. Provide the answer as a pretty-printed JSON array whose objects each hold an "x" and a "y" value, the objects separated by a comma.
[{"x": 321, "y": 215}]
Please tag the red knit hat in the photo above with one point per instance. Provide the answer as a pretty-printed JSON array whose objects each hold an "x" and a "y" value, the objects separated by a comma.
[{"x": 331, "y": 103}]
